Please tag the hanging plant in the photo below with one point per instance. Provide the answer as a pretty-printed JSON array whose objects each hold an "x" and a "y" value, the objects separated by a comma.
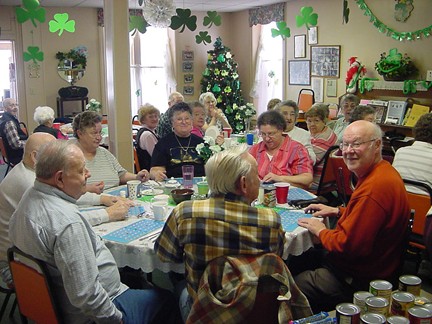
[
  {"x": 77, "y": 55},
  {"x": 395, "y": 66}
]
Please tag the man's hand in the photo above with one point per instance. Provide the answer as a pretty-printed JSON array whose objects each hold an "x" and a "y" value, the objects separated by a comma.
[
  {"x": 315, "y": 226},
  {"x": 97, "y": 187},
  {"x": 320, "y": 210},
  {"x": 143, "y": 175},
  {"x": 119, "y": 210},
  {"x": 108, "y": 200}
]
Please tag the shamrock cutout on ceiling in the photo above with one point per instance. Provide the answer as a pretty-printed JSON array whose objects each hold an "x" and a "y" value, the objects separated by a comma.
[
  {"x": 183, "y": 19},
  {"x": 33, "y": 54},
  {"x": 307, "y": 17},
  {"x": 203, "y": 37},
  {"x": 32, "y": 10},
  {"x": 137, "y": 23},
  {"x": 282, "y": 30},
  {"x": 212, "y": 18},
  {"x": 61, "y": 23},
  {"x": 346, "y": 12},
  {"x": 216, "y": 88},
  {"x": 221, "y": 58}
]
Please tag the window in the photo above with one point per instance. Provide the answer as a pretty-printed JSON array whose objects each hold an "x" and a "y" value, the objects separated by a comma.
[
  {"x": 7, "y": 63},
  {"x": 268, "y": 77},
  {"x": 151, "y": 71}
]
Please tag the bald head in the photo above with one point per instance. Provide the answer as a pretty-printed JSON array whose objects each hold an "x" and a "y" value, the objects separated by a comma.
[
  {"x": 364, "y": 128},
  {"x": 33, "y": 144}
]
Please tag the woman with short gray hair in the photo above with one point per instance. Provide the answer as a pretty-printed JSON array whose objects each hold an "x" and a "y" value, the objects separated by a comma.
[{"x": 44, "y": 116}]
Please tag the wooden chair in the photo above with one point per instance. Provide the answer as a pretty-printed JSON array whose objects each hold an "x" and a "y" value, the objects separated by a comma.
[
  {"x": 135, "y": 120},
  {"x": 306, "y": 99},
  {"x": 327, "y": 181},
  {"x": 136, "y": 161},
  {"x": 33, "y": 288},
  {"x": 4, "y": 153}
]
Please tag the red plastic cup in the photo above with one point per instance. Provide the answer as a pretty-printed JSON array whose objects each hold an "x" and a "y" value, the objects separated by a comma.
[
  {"x": 282, "y": 189},
  {"x": 56, "y": 125},
  {"x": 227, "y": 132}
]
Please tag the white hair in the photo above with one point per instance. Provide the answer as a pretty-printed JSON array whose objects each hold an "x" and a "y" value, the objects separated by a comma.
[
  {"x": 224, "y": 169},
  {"x": 205, "y": 95},
  {"x": 43, "y": 114}
]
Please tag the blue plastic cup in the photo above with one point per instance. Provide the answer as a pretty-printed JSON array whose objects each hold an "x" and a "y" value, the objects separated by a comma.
[{"x": 249, "y": 139}]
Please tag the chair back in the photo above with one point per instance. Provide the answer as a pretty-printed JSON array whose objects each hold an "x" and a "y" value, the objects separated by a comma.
[
  {"x": 5, "y": 156},
  {"x": 33, "y": 288},
  {"x": 135, "y": 120},
  {"x": 344, "y": 178},
  {"x": 327, "y": 181},
  {"x": 23, "y": 127},
  {"x": 421, "y": 204},
  {"x": 137, "y": 165},
  {"x": 306, "y": 99}
]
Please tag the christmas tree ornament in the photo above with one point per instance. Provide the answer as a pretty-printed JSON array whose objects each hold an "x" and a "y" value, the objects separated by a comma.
[
  {"x": 216, "y": 72},
  {"x": 224, "y": 73},
  {"x": 227, "y": 89},
  {"x": 216, "y": 88},
  {"x": 221, "y": 58},
  {"x": 228, "y": 55}
]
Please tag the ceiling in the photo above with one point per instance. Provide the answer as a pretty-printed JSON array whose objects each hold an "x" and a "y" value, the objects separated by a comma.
[{"x": 194, "y": 5}]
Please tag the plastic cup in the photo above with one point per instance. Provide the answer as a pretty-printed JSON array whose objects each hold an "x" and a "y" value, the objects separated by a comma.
[
  {"x": 203, "y": 188},
  {"x": 282, "y": 189},
  {"x": 132, "y": 188},
  {"x": 227, "y": 132},
  {"x": 249, "y": 139},
  {"x": 56, "y": 125},
  {"x": 160, "y": 209},
  {"x": 188, "y": 175}
]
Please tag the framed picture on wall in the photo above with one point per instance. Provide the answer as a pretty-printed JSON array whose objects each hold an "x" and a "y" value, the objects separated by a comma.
[
  {"x": 318, "y": 88},
  {"x": 299, "y": 72},
  {"x": 325, "y": 61},
  {"x": 300, "y": 46},
  {"x": 188, "y": 90},
  {"x": 331, "y": 87},
  {"x": 187, "y": 66},
  {"x": 188, "y": 78},
  {"x": 188, "y": 55},
  {"x": 313, "y": 35}
]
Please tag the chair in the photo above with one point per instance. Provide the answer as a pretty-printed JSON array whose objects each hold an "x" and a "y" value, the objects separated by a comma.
[
  {"x": 345, "y": 179},
  {"x": 4, "y": 153},
  {"x": 9, "y": 292},
  {"x": 136, "y": 161},
  {"x": 23, "y": 127},
  {"x": 306, "y": 99},
  {"x": 327, "y": 181},
  {"x": 135, "y": 120},
  {"x": 33, "y": 288}
]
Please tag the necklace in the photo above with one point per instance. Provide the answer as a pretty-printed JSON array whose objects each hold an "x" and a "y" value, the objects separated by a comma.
[{"x": 184, "y": 149}]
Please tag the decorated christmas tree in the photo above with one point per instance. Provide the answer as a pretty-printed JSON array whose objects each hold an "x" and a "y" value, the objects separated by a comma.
[{"x": 221, "y": 78}]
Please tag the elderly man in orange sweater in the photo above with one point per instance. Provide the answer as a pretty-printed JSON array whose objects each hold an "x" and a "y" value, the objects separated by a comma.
[{"x": 368, "y": 240}]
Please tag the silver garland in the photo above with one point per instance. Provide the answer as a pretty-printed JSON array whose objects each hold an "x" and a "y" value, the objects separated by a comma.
[{"x": 158, "y": 13}]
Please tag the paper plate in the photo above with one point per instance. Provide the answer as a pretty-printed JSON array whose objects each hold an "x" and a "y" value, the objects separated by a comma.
[
  {"x": 151, "y": 192},
  {"x": 212, "y": 131}
]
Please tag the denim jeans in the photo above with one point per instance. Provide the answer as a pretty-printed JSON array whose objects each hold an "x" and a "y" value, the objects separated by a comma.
[{"x": 147, "y": 306}]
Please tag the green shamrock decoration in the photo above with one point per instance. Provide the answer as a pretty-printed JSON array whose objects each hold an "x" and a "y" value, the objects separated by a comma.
[
  {"x": 32, "y": 10},
  {"x": 346, "y": 12},
  {"x": 221, "y": 58},
  {"x": 183, "y": 19},
  {"x": 140, "y": 2},
  {"x": 227, "y": 89},
  {"x": 61, "y": 23},
  {"x": 216, "y": 88},
  {"x": 307, "y": 17},
  {"x": 216, "y": 71},
  {"x": 212, "y": 18},
  {"x": 206, "y": 72},
  {"x": 219, "y": 99},
  {"x": 138, "y": 92},
  {"x": 203, "y": 37},
  {"x": 224, "y": 73},
  {"x": 394, "y": 57},
  {"x": 282, "y": 30},
  {"x": 137, "y": 23},
  {"x": 33, "y": 54}
]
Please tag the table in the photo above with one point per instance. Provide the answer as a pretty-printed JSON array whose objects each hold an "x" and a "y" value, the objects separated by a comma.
[{"x": 139, "y": 253}]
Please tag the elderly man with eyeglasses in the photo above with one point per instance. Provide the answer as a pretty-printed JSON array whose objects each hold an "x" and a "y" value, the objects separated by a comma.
[
  {"x": 13, "y": 136},
  {"x": 368, "y": 240},
  {"x": 348, "y": 103}
]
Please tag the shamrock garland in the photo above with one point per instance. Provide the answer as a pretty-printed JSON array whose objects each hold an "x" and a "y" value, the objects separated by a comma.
[{"x": 390, "y": 32}]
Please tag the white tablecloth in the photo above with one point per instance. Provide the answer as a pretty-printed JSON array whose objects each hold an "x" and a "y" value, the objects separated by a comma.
[{"x": 140, "y": 254}]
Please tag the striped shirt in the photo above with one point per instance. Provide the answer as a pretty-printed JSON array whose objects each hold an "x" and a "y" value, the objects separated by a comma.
[
  {"x": 291, "y": 159},
  {"x": 414, "y": 163},
  {"x": 198, "y": 231}
]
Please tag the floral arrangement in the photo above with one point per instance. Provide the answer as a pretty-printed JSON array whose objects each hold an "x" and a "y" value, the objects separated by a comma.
[
  {"x": 354, "y": 73},
  {"x": 77, "y": 55},
  {"x": 94, "y": 105},
  {"x": 208, "y": 148},
  {"x": 242, "y": 116},
  {"x": 395, "y": 66}
]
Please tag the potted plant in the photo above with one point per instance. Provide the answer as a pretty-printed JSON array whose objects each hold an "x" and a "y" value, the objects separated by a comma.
[{"x": 395, "y": 66}]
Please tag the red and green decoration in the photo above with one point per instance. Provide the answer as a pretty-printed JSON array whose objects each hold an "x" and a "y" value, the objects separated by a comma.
[{"x": 222, "y": 79}]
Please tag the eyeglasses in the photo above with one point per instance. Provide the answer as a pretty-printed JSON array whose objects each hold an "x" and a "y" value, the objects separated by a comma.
[
  {"x": 95, "y": 134},
  {"x": 269, "y": 135},
  {"x": 185, "y": 119},
  {"x": 356, "y": 145},
  {"x": 349, "y": 105}
]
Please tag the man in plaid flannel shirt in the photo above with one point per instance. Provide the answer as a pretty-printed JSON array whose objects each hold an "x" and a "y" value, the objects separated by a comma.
[
  {"x": 164, "y": 127},
  {"x": 199, "y": 231}
]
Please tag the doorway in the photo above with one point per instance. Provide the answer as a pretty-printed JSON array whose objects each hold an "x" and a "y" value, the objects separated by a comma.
[{"x": 8, "y": 86}]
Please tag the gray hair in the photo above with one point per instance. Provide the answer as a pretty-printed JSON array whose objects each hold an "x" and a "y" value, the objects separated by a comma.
[
  {"x": 52, "y": 157},
  {"x": 351, "y": 98},
  {"x": 84, "y": 120},
  {"x": 288, "y": 103},
  {"x": 361, "y": 111},
  {"x": 43, "y": 114},
  {"x": 205, "y": 95},
  {"x": 224, "y": 169}
]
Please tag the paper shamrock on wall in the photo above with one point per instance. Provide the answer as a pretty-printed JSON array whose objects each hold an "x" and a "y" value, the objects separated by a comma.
[
  {"x": 32, "y": 10},
  {"x": 137, "y": 23},
  {"x": 33, "y": 54},
  {"x": 183, "y": 19},
  {"x": 346, "y": 12},
  {"x": 203, "y": 37},
  {"x": 212, "y": 18},
  {"x": 307, "y": 17},
  {"x": 61, "y": 23},
  {"x": 282, "y": 30}
]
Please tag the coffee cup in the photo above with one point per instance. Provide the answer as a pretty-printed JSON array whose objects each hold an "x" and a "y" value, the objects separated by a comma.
[
  {"x": 162, "y": 197},
  {"x": 160, "y": 209},
  {"x": 282, "y": 189},
  {"x": 133, "y": 188}
]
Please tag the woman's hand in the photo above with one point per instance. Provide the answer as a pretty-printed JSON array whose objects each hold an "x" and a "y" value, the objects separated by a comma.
[
  {"x": 158, "y": 173},
  {"x": 96, "y": 187},
  {"x": 271, "y": 177},
  {"x": 220, "y": 140}
]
